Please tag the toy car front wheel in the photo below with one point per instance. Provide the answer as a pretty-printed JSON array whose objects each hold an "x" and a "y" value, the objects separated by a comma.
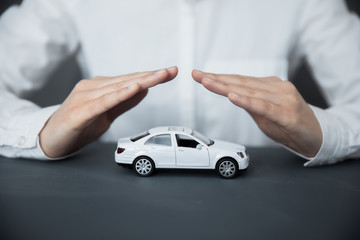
[
  {"x": 144, "y": 166},
  {"x": 227, "y": 168}
]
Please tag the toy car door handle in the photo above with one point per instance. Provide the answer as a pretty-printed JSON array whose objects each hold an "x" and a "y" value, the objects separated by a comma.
[{"x": 181, "y": 149}]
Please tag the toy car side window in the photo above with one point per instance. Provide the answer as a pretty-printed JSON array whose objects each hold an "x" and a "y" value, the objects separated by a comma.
[
  {"x": 185, "y": 141},
  {"x": 162, "y": 139}
]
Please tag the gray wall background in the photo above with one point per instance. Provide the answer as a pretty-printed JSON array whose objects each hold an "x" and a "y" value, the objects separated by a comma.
[{"x": 65, "y": 77}]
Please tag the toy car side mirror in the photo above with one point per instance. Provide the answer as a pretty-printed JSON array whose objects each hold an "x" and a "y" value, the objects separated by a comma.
[{"x": 199, "y": 146}]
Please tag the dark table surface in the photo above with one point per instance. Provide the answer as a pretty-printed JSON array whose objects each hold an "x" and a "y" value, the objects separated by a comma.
[{"x": 90, "y": 197}]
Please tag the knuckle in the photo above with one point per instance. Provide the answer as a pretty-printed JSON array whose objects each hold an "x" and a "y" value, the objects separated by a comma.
[
  {"x": 290, "y": 87},
  {"x": 100, "y": 106},
  {"x": 263, "y": 108},
  {"x": 291, "y": 101},
  {"x": 212, "y": 76},
  {"x": 246, "y": 101},
  {"x": 267, "y": 108},
  {"x": 275, "y": 78},
  {"x": 254, "y": 93},
  {"x": 145, "y": 77},
  {"x": 97, "y": 77},
  {"x": 260, "y": 107},
  {"x": 81, "y": 85},
  {"x": 236, "y": 76}
]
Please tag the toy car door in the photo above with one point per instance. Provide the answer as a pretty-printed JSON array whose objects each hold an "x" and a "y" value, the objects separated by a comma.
[
  {"x": 161, "y": 150},
  {"x": 189, "y": 153}
]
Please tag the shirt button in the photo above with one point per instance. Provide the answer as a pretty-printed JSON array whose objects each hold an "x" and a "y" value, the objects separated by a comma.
[{"x": 21, "y": 141}]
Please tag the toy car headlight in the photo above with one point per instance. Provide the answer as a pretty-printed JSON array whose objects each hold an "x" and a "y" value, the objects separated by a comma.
[{"x": 241, "y": 154}]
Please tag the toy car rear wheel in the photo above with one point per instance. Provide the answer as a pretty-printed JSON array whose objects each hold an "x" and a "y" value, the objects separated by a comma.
[
  {"x": 144, "y": 166},
  {"x": 227, "y": 168}
]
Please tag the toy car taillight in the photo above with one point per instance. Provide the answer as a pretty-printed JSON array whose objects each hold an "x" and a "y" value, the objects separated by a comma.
[{"x": 120, "y": 150}]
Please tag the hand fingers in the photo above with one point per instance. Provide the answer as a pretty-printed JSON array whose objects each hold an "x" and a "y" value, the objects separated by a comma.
[
  {"x": 102, "y": 104},
  {"x": 126, "y": 105},
  {"x": 171, "y": 73},
  {"x": 144, "y": 82},
  {"x": 266, "y": 96},
  {"x": 265, "y": 83},
  {"x": 259, "y": 107},
  {"x": 226, "y": 78},
  {"x": 283, "y": 117},
  {"x": 96, "y": 101},
  {"x": 102, "y": 81},
  {"x": 223, "y": 89},
  {"x": 111, "y": 95},
  {"x": 261, "y": 96},
  {"x": 97, "y": 89},
  {"x": 158, "y": 77},
  {"x": 216, "y": 87}
]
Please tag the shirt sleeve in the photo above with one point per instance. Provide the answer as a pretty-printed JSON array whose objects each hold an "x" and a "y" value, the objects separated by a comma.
[
  {"x": 329, "y": 40},
  {"x": 34, "y": 38}
]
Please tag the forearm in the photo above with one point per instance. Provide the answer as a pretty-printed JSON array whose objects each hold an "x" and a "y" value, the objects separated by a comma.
[
  {"x": 341, "y": 135},
  {"x": 331, "y": 48},
  {"x": 20, "y": 124},
  {"x": 34, "y": 38}
]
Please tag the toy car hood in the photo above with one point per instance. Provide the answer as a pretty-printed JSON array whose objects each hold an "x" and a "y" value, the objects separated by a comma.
[{"x": 227, "y": 146}]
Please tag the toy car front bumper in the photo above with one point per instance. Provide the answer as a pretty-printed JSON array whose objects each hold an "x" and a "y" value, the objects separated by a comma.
[{"x": 244, "y": 164}]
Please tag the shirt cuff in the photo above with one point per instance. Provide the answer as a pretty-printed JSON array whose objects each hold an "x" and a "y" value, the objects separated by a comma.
[
  {"x": 38, "y": 153},
  {"x": 21, "y": 138},
  {"x": 331, "y": 150}
]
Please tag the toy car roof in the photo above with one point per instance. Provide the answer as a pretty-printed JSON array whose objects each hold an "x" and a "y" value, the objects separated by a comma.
[{"x": 170, "y": 128}]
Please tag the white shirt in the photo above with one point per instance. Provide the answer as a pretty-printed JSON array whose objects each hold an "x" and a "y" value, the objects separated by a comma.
[{"x": 248, "y": 37}]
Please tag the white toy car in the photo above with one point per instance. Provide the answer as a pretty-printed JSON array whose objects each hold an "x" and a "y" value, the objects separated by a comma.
[{"x": 179, "y": 147}]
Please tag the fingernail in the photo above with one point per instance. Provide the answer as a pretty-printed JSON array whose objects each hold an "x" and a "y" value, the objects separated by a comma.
[
  {"x": 160, "y": 72},
  {"x": 198, "y": 71},
  {"x": 171, "y": 68}
]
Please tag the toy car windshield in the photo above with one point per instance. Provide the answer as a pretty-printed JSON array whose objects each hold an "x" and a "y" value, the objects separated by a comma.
[{"x": 206, "y": 140}]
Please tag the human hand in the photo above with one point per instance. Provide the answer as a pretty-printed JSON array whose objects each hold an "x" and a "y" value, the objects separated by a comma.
[
  {"x": 275, "y": 105},
  {"x": 92, "y": 106}
]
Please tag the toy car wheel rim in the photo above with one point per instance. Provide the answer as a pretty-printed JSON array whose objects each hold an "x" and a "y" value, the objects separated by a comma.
[
  {"x": 227, "y": 168},
  {"x": 143, "y": 166}
]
